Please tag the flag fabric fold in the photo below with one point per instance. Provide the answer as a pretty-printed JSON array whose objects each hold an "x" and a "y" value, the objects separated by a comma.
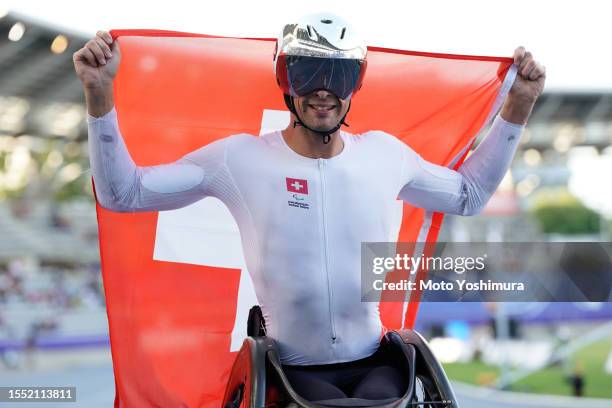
[{"x": 177, "y": 312}]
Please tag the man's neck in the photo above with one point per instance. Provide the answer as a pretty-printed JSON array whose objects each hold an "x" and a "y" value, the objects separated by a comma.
[{"x": 310, "y": 144}]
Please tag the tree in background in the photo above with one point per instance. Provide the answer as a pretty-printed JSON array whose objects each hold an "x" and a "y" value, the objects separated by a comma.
[{"x": 560, "y": 212}]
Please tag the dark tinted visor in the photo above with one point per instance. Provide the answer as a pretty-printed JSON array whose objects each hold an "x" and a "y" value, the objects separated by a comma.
[{"x": 299, "y": 76}]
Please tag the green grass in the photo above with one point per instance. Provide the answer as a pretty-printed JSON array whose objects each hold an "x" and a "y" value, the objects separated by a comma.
[
  {"x": 550, "y": 380},
  {"x": 475, "y": 372}
]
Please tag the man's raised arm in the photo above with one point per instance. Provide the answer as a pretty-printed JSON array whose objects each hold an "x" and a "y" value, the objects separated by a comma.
[
  {"x": 120, "y": 184},
  {"x": 466, "y": 191}
]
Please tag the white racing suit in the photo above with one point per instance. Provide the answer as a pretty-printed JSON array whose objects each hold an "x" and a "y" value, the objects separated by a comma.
[{"x": 302, "y": 220}]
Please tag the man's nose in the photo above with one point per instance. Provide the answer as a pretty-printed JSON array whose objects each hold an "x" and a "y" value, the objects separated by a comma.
[{"x": 322, "y": 93}]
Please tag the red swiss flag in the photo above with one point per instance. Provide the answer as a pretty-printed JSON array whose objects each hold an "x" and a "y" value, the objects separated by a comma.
[
  {"x": 177, "y": 317},
  {"x": 297, "y": 185}
]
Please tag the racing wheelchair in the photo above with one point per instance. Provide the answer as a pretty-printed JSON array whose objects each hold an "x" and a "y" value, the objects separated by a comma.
[{"x": 257, "y": 378}]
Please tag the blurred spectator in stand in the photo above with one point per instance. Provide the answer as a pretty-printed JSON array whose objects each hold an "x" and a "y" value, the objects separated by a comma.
[
  {"x": 56, "y": 220},
  {"x": 38, "y": 328}
]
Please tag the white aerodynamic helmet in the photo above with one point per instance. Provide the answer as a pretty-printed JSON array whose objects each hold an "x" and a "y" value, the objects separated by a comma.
[{"x": 320, "y": 51}]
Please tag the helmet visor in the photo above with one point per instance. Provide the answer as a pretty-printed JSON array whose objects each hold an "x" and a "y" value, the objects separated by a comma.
[{"x": 299, "y": 76}]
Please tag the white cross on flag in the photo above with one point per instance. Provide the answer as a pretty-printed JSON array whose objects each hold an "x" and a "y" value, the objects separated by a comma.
[{"x": 297, "y": 185}]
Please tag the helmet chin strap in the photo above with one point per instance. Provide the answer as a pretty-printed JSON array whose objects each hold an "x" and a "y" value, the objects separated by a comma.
[{"x": 326, "y": 134}]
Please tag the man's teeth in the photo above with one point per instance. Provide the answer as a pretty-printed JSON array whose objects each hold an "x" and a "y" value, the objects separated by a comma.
[{"x": 321, "y": 108}]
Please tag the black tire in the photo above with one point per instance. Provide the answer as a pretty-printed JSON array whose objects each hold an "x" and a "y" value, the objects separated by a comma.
[{"x": 425, "y": 391}]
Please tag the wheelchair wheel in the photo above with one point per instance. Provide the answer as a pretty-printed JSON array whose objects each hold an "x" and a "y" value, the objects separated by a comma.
[{"x": 426, "y": 394}]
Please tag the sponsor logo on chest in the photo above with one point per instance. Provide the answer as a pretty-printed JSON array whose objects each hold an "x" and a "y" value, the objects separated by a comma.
[{"x": 298, "y": 192}]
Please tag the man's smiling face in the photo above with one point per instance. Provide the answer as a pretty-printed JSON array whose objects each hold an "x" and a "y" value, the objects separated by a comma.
[{"x": 321, "y": 110}]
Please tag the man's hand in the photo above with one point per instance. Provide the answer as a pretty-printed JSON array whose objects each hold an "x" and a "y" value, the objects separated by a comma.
[
  {"x": 96, "y": 65},
  {"x": 529, "y": 82},
  {"x": 97, "y": 62},
  {"x": 527, "y": 87}
]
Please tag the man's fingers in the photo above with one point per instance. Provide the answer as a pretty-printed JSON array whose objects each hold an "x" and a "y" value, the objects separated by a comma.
[
  {"x": 83, "y": 55},
  {"x": 104, "y": 47},
  {"x": 538, "y": 71},
  {"x": 519, "y": 53},
  {"x": 528, "y": 68},
  {"x": 86, "y": 55},
  {"x": 93, "y": 46},
  {"x": 105, "y": 35},
  {"x": 526, "y": 59}
]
